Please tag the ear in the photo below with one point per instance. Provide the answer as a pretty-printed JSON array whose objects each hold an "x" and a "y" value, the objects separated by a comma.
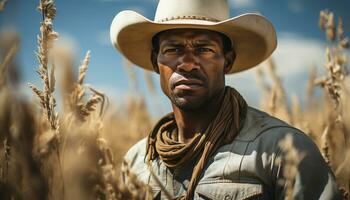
[
  {"x": 154, "y": 61},
  {"x": 230, "y": 57}
]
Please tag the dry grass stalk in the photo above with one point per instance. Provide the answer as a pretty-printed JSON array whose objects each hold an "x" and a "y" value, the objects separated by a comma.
[
  {"x": 264, "y": 86},
  {"x": 281, "y": 99},
  {"x": 149, "y": 82},
  {"x": 268, "y": 97},
  {"x": 343, "y": 173},
  {"x": 5, "y": 167},
  {"x": 326, "y": 23},
  {"x": 84, "y": 157},
  {"x": 47, "y": 99},
  {"x": 290, "y": 159},
  {"x": 83, "y": 68},
  {"x": 332, "y": 82},
  {"x": 76, "y": 101},
  {"x": 325, "y": 120},
  {"x": 297, "y": 115},
  {"x": 46, "y": 96},
  {"x": 5, "y": 62},
  {"x": 20, "y": 176},
  {"x": 129, "y": 68},
  {"x": 138, "y": 190},
  {"x": 110, "y": 188},
  {"x": 343, "y": 40},
  {"x": 2, "y": 5},
  {"x": 336, "y": 74},
  {"x": 325, "y": 145},
  {"x": 94, "y": 174},
  {"x": 310, "y": 101},
  {"x": 97, "y": 177},
  {"x": 275, "y": 100}
]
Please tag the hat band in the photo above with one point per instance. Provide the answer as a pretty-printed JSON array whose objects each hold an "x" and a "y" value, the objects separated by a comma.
[{"x": 196, "y": 17}]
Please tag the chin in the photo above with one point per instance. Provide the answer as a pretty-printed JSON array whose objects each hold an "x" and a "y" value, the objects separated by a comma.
[{"x": 188, "y": 104}]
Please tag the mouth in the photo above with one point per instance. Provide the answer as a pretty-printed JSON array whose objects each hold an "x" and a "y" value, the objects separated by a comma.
[{"x": 188, "y": 84}]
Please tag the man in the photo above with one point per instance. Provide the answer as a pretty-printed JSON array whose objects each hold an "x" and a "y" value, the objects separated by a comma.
[{"x": 213, "y": 145}]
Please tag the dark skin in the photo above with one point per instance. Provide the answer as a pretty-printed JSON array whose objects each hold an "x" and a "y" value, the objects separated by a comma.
[{"x": 192, "y": 65}]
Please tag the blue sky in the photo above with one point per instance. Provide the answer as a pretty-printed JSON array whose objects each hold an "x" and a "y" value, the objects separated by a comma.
[{"x": 85, "y": 23}]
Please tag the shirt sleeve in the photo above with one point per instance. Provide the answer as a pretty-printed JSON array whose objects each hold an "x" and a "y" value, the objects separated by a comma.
[{"x": 313, "y": 178}]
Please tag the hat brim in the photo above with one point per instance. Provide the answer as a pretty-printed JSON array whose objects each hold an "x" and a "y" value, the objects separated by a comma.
[{"x": 252, "y": 35}]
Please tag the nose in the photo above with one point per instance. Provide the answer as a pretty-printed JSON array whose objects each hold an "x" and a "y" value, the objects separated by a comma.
[{"x": 188, "y": 62}]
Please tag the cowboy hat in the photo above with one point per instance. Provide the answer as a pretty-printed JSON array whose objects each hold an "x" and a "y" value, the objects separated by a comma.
[{"x": 253, "y": 36}]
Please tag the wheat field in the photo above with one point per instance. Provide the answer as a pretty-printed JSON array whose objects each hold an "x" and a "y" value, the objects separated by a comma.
[{"x": 75, "y": 152}]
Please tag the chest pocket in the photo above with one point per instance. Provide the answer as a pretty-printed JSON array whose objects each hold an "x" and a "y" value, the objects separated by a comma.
[{"x": 229, "y": 191}]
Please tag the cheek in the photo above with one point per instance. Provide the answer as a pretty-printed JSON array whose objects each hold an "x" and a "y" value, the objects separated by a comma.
[
  {"x": 215, "y": 74},
  {"x": 167, "y": 61},
  {"x": 164, "y": 73},
  {"x": 217, "y": 79}
]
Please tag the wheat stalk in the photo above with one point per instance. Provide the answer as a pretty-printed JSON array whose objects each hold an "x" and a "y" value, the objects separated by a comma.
[
  {"x": 2, "y": 5},
  {"x": 46, "y": 74},
  {"x": 149, "y": 82},
  {"x": 131, "y": 74},
  {"x": 20, "y": 176},
  {"x": 12, "y": 41},
  {"x": 8, "y": 59},
  {"x": 291, "y": 159},
  {"x": 7, "y": 156}
]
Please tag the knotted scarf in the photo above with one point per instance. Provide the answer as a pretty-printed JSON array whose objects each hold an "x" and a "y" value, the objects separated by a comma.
[{"x": 163, "y": 139}]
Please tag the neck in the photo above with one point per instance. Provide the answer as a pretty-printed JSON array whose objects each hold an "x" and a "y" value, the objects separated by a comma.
[{"x": 190, "y": 122}]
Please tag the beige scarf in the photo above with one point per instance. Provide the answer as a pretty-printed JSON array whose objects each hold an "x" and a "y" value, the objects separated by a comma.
[{"x": 163, "y": 141}]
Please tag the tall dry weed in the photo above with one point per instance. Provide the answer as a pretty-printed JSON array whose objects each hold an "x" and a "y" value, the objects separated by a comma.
[
  {"x": 20, "y": 174},
  {"x": 60, "y": 154},
  {"x": 291, "y": 159},
  {"x": 2, "y": 5},
  {"x": 324, "y": 119}
]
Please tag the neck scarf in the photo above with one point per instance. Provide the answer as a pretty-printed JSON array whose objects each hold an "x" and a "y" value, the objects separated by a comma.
[{"x": 162, "y": 140}]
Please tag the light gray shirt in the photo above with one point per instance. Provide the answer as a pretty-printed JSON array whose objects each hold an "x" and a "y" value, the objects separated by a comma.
[{"x": 247, "y": 168}]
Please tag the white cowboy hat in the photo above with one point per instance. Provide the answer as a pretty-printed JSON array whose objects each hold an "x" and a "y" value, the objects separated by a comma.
[{"x": 253, "y": 36}]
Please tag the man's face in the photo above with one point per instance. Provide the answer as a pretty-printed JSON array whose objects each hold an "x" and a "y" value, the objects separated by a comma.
[{"x": 192, "y": 66}]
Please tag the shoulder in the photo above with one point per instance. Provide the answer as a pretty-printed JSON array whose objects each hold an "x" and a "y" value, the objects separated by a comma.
[
  {"x": 258, "y": 123},
  {"x": 267, "y": 131}
]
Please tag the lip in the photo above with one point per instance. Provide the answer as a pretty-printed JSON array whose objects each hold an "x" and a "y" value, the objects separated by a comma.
[{"x": 187, "y": 84}]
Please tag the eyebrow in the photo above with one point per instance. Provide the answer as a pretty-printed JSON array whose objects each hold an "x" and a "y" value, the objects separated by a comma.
[
  {"x": 204, "y": 43},
  {"x": 171, "y": 43},
  {"x": 196, "y": 43}
]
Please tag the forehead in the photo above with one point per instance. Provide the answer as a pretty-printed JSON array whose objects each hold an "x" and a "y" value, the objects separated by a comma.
[{"x": 189, "y": 34}]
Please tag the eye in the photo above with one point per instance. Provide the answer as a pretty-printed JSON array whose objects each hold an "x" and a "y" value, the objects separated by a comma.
[
  {"x": 172, "y": 50},
  {"x": 204, "y": 50}
]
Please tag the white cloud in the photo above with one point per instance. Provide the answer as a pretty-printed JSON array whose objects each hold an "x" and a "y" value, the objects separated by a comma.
[
  {"x": 294, "y": 57},
  {"x": 296, "y": 54},
  {"x": 68, "y": 42},
  {"x": 242, "y": 3}
]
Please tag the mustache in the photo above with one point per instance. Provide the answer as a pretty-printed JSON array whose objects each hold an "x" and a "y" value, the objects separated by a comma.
[{"x": 187, "y": 75}]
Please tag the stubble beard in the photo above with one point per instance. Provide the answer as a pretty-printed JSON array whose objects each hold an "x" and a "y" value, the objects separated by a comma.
[{"x": 189, "y": 105}]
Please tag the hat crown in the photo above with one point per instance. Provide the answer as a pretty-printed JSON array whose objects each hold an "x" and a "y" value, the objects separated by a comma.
[{"x": 212, "y": 10}]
